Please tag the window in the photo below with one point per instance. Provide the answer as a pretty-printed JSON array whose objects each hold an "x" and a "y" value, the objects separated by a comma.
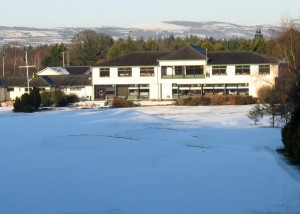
[
  {"x": 219, "y": 70},
  {"x": 10, "y": 89},
  {"x": 104, "y": 72},
  {"x": 179, "y": 70},
  {"x": 167, "y": 70},
  {"x": 264, "y": 69},
  {"x": 147, "y": 71},
  {"x": 124, "y": 72},
  {"x": 194, "y": 70},
  {"x": 242, "y": 69}
]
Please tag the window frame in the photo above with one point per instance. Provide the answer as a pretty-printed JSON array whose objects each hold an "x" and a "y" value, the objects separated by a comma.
[
  {"x": 244, "y": 70},
  {"x": 194, "y": 70},
  {"x": 147, "y": 72},
  {"x": 217, "y": 70},
  {"x": 264, "y": 69},
  {"x": 104, "y": 70},
  {"x": 125, "y": 72}
]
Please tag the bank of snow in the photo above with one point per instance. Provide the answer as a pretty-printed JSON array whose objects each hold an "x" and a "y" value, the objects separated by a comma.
[{"x": 163, "y": 159}]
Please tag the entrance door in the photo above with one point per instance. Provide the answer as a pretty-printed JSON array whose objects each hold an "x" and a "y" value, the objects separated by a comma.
[{"x": 100, "y": 93}]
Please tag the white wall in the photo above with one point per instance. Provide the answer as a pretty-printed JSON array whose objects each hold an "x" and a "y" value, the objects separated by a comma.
[{"x": 156, "y": 84}]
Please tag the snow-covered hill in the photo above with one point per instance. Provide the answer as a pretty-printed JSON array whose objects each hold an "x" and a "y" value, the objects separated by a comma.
[{"x": 36, "y": 36}]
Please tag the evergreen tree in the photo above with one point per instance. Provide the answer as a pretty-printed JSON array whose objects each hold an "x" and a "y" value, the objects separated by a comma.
[
  {"x": 54, "y": 56},
  {"x": 35, "y": 98},
  {"x": 17, "y": 105},
  {"x": 258, "y": 44},
  {"x": 26, "y": 103}
]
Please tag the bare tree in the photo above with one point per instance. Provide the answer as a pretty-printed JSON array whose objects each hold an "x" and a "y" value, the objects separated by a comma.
[{"x": 285, "y": 44}]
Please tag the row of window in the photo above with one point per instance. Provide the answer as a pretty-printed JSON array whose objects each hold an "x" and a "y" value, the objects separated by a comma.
[
  {"x": 127, "y": 72},
  {"x": 240, "y": 70},
  {"x": 188, "y": 71}
]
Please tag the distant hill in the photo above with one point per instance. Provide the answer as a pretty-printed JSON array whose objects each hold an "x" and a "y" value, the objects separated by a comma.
[{"x": 222, "y": 30}]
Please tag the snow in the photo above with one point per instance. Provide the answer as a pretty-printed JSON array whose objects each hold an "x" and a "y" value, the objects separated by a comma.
[
  {"x": 158, "y": 159},
  {"x": 159, "y": 26}
]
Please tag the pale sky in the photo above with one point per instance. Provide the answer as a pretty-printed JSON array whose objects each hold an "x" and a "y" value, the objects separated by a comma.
[{"x": 126, "y": 13}]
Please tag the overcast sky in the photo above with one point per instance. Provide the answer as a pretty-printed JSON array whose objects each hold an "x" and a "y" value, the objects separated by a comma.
[{"x": 126, "y": 13}]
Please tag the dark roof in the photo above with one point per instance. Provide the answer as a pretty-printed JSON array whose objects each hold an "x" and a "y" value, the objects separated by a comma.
[
  {"x": 14, "y": 80},
  {"x": 47, "y": 81},
  {"x": 71, "y": 80},
  {"x": 145, "y": 58},
  {"x": 38, "y": 81},
  {"x": 191, "y": 52},
  {"x": 238, "y": 57},
  {"x": 77, "y": 70}
]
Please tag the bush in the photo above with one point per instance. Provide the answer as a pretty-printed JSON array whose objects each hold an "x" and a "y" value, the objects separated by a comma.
[
  {"x": 17, "y": 105},
  {"x": 59, "y": 98},
  {"x": 193, "y": 101},
  {"x": 233, "y": 99},
  {"x": 46, "y": 98},
  {"x": 180, "y": 102},
  {"x": 219, "y": 100},
  {"x": 122, "y": 103},
  {"x": 35, "y": 98},
  {"x": 263, "y": 92},
  {"x": 245, "y": 100},
  {"x": 72, "y": 98},
  {"x": 291, "y": 136},
  {"x": 23, "y": 104},
  {"x": 216, "y": 100}
]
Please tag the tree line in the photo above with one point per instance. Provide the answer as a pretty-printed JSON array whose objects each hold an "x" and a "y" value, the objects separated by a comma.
[{"x": 89, "y": 47}]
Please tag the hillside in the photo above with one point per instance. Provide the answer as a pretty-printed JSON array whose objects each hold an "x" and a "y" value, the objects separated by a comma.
[{"x": 36, "y": 36}]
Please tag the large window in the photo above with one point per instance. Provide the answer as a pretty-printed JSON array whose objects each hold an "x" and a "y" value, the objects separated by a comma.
[
  {"x": 179, "y": 70},
  {"x": 264, "y": 69},
  {"x": 242, "y": 69},
  {"x": 104, "y": 72},
  {"x": 194, "y": 70},
  {"x": 147, "y": 71},
  {"x": 124, "y": 72},
  {"x": 219, "y": 70}
]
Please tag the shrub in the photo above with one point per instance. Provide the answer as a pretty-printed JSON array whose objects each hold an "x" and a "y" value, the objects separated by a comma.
[
  {"x": 122, "y": 103},
  {"x": 46, "y": 98},
  {"x": 35, "y": 98},
  {"x": 245, "y": 100},
  {"x": 26, "y": 105},
  {"x": 59, "y": 98},
  {"x": 180, "y": 102},
  {"x": 193, "y": 101},
  {"x": 233, "y": 99},
  {"x": 17, "y": 105},
  {"x": 218, "y": 100},
  {"x": 72, "y": 98},
  {"x": 263, "y": 92},
  {"x": 291, "y": 136}
]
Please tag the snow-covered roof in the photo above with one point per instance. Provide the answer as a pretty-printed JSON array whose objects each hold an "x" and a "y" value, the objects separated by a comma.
[{"x": 53, "y": 71}]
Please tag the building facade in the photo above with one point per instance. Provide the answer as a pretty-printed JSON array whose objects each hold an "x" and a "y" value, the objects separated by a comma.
[{"x": 189, "y": 71}]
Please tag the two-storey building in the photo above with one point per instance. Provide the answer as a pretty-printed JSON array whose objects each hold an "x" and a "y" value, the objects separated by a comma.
[{"x": 189, "y": 71}]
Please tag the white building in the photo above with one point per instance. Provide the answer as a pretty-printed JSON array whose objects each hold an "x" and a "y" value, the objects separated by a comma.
[
  {"x": 16, "y": 86},
  {"x": 189, "y": 71}
]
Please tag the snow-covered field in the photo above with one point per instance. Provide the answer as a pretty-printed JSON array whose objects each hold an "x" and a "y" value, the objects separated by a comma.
[{"x": 147, "y": 160}]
